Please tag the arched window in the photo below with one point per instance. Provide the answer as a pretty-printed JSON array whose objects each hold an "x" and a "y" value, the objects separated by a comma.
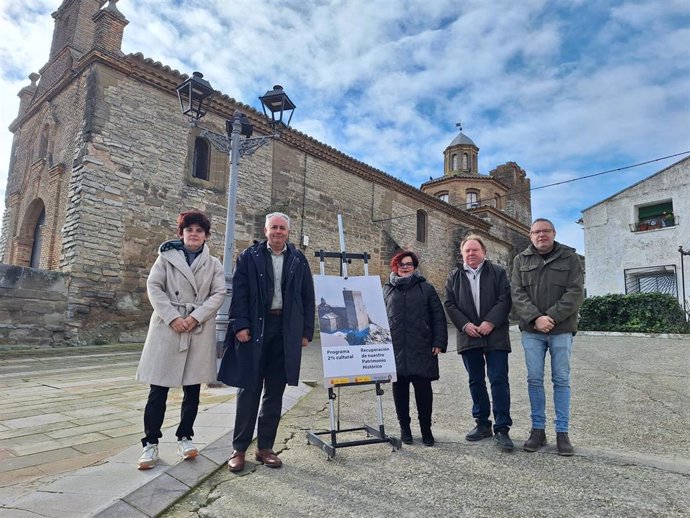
[
  {"x": 472, "y": 198},
  {"x": 465, "y": 161},
  {"x": 202, "y": 159},
  {"x": 421, "y": 226},
  {"x": 35, "y": 261},
  {"x": 498, "y": 201},
  {"x": 453, "y": 162},
  {"x": 443, "y": 196}
]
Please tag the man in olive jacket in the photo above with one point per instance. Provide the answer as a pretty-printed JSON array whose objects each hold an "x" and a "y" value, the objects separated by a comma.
[
  {"x": 478, "y": 303},
  {"x": 271, "y": 319},
  {"x": 547, "y": 288}
]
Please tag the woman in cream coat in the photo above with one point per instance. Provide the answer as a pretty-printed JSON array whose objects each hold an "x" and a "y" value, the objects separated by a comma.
[{"x": 186, "y": 287}]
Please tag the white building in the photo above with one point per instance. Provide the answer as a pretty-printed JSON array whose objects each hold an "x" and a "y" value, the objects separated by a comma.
[{"x": 632, "y": 238}]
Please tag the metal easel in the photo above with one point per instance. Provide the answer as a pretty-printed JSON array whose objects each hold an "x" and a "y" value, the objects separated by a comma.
[{"x": 375, "y": 435}]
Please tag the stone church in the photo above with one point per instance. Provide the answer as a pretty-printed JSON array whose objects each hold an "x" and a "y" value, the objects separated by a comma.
[{"x": 102, "y": 162}]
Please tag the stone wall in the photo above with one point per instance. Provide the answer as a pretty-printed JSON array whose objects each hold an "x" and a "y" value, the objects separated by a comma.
[
  {"x": 127, "y": 155},
  {"x": 33, "y": 306},
  {"x": 517, "y": 202}
]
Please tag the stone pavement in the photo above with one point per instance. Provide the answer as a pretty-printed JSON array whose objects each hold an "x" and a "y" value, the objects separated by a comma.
[
  {"x": 70, "y": 423},
  {"x": 70, "y": 428},
  {"x": 630, "y": 427}
]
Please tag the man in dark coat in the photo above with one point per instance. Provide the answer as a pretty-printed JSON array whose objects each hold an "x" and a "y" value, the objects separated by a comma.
[
  {"x": 478, "y": 303},
  {"x": 271, "y": 319},
  {"x": 547, "y": 284}
]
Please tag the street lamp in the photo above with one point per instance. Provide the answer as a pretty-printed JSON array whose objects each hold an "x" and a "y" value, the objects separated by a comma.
[
  {"x": 236, "y": 143},
  {"x": 682, "y": 277}
]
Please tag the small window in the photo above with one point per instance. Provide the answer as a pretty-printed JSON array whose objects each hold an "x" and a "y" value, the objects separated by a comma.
[
  {"x": 472, "y": 199},
  {"x": 653, "y": 279},
  {"x": 443, "y": 196},
  {"x": 498, "y": 201},
  {"x": 421, "y": 226},
  {"x": 202, "y": 159},
  {"x": 655, "y": 216},
  {"x": 465, "y": 162},
  {"x": 453, "y": 162}
]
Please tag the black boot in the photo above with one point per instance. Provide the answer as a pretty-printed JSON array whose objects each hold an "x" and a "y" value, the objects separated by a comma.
[
  {"x": 565, "y": 448},
  {"x": 479, "y": 432},
  {"x": 427, "y": 436},
  {"x": 406, "y": 433},
  {"x": 537, "y": 439}
]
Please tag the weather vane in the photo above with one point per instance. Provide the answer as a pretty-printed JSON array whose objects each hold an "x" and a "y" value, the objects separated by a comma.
[{"x": 459, "y": 125}]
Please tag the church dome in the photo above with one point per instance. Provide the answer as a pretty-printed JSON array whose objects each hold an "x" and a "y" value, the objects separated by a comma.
[{"x": 462, "y": 139}]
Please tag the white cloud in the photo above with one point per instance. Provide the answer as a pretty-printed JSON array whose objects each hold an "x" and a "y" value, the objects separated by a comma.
[{"x": 563, "y": 88}]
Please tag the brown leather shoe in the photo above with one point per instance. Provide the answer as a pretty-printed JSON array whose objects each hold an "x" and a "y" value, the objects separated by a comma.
[
  {"x": 236, "y": 462},
  {"x": 269, "y": 458}
]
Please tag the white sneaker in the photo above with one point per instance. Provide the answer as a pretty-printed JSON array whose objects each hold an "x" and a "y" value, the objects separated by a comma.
[
  {"x": 186, "y": 449},
  {"x": 149, "y": 456}
]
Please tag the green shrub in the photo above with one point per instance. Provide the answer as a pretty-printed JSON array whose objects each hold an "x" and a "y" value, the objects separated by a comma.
[{"x": 636, "y": 312}]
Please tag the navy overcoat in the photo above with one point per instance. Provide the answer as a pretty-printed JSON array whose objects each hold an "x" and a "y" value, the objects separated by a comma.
[{"x": 240, "y": 364}]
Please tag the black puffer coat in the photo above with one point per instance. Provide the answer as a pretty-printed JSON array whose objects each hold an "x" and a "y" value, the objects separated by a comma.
[{"x": 417, "y": 324}]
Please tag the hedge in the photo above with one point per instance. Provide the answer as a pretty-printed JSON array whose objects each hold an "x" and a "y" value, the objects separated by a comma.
[{"x": 636, "y": 312}]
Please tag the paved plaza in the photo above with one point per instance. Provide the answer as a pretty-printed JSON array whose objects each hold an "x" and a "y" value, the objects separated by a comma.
[
  {"x": 70, "y": 429},
  {"x": 70, "y": 423}
]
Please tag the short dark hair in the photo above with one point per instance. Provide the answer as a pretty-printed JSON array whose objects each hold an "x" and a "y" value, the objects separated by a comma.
[
  {"x": 397, "y": 258},
  {"x": 553, "y": 227},
  {"x": 193, "y": 217}
]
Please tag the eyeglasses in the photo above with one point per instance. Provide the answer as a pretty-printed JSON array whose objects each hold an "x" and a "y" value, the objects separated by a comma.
[
  {"x": 406, "y": 265},
  {"x": 537, "y": 232}
]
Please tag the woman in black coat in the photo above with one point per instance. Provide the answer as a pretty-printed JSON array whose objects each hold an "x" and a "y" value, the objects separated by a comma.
[{"x": 419, "y": 332}]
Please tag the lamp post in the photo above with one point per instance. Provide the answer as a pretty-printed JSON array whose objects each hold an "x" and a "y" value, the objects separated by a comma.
[
  {"x": 682, "y": 276},
  {"x": 236, "y": 143}
]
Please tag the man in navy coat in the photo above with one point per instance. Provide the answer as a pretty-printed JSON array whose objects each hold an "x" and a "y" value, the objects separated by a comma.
[{"x": 271, "y": 319}]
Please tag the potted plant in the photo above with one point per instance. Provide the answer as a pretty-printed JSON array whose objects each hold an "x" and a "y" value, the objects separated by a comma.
[{"x": 668, "y": 219}]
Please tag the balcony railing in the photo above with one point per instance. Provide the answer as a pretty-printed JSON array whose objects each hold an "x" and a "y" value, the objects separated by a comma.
[{"x": 654, "y": 223}]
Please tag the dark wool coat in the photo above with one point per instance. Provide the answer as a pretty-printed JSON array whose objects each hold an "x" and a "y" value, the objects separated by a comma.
[
  {"x": 240, "y": 364},
  {"x": 494, "y": 301},
  {"x": 418, "y": 324}
]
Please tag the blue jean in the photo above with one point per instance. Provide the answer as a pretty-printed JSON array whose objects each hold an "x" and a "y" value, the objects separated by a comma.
[
  {"x": 560, "y": 347},
  {"x": 496, "y": 365}
]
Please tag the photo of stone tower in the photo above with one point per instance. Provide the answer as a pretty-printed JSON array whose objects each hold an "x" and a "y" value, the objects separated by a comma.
[{"x": 355, "y": 310}]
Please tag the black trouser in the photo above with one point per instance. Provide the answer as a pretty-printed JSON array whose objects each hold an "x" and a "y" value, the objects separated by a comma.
[
  {"x": 272, "y": 378},
  {"x": 154, "y": 413},
  {"x": 423, "y": 395}
]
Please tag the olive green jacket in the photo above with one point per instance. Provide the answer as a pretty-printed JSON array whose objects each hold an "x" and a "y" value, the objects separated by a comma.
[{"x": 553, "y": 287}]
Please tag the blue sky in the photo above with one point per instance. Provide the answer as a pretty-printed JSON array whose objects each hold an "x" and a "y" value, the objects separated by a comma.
[{"x": 565, "y": 88}]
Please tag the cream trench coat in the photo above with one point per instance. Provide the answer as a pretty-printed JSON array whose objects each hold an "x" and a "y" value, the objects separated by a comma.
[{"x": 175, "y": 289}]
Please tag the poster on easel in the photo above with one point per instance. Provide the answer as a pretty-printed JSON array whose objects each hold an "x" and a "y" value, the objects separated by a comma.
[{"x": 356, "y": 341}]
